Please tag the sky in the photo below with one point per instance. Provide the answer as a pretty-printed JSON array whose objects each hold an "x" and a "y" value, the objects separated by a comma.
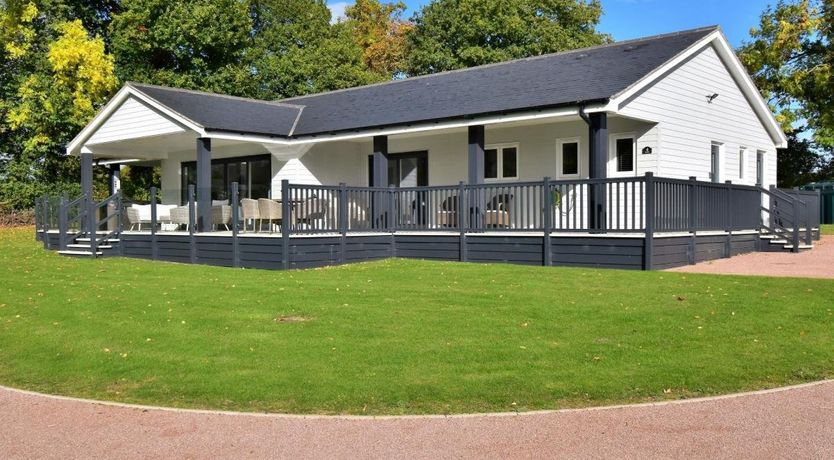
[{"x": 625, "y": 19}]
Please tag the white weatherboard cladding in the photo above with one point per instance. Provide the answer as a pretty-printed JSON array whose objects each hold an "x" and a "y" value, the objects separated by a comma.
[
  {"x": 132, "y": 120},
  {"x": 689, "y": 124}
]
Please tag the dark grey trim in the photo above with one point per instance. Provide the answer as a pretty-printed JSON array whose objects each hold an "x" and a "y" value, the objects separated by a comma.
[
  {"x": 598, "y": 168},
  {"x": 476, "y": 154},
  {"x": 204, "y": 184}
]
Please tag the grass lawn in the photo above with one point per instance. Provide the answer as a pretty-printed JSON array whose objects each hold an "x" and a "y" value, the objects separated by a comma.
[
  {"x": 398, "y": 336},
  {"x": 827, "y": 229}
]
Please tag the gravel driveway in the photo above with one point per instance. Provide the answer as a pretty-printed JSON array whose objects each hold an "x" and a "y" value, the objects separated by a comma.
[
  {"x": 791, "y": 423},
  {"x": 816, "y": 263}
]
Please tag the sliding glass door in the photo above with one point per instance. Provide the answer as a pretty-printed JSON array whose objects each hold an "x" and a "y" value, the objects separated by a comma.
[
  {"x": 404, "y": 169},
  {"x": 253, "y": 175}
]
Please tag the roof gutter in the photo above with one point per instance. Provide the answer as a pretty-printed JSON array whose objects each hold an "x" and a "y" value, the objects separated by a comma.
[{"x": 583, "y": 114}]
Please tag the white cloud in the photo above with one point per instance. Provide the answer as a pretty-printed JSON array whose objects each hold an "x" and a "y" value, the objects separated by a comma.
[{"x": 337, "y": 10}]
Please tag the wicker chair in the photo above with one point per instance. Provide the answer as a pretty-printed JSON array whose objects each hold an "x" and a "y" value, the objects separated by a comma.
[
  {"x": 498, "y": 211},
  {"x": 133, "y": 218},
  {"x": 269, "y": 211},
  {"x": 179, "y": 216},
  {"x": 250, "y": 211},
  {"x": 221, "y": 215},
  {"x": 447, "y": 215}
]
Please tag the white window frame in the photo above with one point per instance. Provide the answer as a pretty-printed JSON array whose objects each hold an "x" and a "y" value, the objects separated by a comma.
[
  {"x": 760, "y": 153},
  {"x": 612, "y": 155},
  {"x": 721, "y": 157},
  {"x": 560, "y": 158},
  {"x": 742, "y": 162},
  {"x": 500, "y": 159}
]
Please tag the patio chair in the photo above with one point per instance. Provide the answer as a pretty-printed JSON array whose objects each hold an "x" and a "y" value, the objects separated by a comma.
[
  {"x": 250, "y": 212},
  {"x": 498, "y": 211},
  {"x": 447, "y": 215},
  {"x": 312, "y": 211},
  {"x": 269, "y": 211},
  {"x": 221, "y": 215},
  {"x": 179, "y": 216},
  {"x": 133, "y": 218}
]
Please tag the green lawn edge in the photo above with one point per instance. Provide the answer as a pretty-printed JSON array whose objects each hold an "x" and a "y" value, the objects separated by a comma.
[{"x": 398, "y": 336}]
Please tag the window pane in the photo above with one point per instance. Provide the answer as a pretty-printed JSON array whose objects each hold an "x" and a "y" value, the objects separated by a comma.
[
  {"x": 218, "y": 181},
  {"x": 260, "y": 177},
  {"x": 491, "y": 164},
  {"x": 189, "y": 177},
  {"x": 625, "y": 155},
  {"x": 741, "y": 164},
  {"x": 570, "y": 159},
  {"x": 510, "y": 159}
]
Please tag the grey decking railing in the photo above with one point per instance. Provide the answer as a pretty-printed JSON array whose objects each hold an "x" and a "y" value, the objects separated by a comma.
[{"x": 643, "y": 204}]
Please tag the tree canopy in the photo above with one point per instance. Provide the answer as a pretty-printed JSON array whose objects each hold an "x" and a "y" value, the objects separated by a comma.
[{"x": 454, "y": 34}]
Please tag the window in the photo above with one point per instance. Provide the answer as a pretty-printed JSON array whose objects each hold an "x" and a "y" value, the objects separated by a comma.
[
  {"x": 760, "y": 168},
  {"x": 567, "y": 160},
  {"x": 501, "y": 162},
  {"x": 621, "y": 155},
  {"x": 715, "y": 162},
  {"x": 253, "y": 175},
  {"x": 742, "y": 152}
]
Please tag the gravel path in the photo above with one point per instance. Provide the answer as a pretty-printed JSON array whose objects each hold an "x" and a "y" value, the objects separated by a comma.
[
  {"x": 792, "y": 423},
  {"x": 816, "y": 263}
]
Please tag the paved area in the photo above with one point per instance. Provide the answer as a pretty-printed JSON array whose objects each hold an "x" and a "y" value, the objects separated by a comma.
[
  {"x": 791, "y": 423},
  {"x": 816, "y": 263}
]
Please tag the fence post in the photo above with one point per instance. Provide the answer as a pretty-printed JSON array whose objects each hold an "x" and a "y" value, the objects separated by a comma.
[
  {"x": 154, "y": 219},
  {"x": 343, "y": 224},
  {"x": 547, "y": 223},
  {"x": 62, "y": 222},
  {"x": 795, "y": 209},
  {"x": 728, "y": 219},
  {"x": 120, "y": 221},
  {"x": 286, "y": 224},
  {"x": 648, "y": 244},
  {"x": 235, "y": 214},
  {"x": 692, "y": 217},
  {"x": 393, "y": 217},
  {"x": 44, "y": 216},
  {"x": 461, "y": 205},
  {"x": 192, "y": 224},
  {"x": 92, "y": 224}
]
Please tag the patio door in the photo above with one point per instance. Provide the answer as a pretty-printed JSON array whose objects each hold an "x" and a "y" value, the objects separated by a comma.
[
  {"x": 409, "y": 169},
  {"x": 253, "y": 175}
]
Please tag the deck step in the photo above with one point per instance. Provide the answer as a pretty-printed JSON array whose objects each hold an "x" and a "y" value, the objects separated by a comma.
[
  {"x": 78, "y": 253},
  {"x": 87, "y": 246},
  {"x": 801, "y": 246},
  {"x": 780, "y": 241},
  {"x": 87, "y": 240}
]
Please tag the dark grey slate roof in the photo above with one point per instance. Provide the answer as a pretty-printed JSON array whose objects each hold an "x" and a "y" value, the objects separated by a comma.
[
  {"x": 568, "y": 78},
  {"x": 226, "y": 113},
  {"x": 562, "y": 79}
]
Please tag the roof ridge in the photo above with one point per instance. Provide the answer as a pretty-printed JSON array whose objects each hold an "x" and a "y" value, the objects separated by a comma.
[
  {"x": 138, "y": 85},
  {"x": 497, "y": 64}
]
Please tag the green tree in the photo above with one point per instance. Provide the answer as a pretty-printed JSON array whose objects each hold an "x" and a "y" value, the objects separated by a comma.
[
  {"x": 198, "y": 44},
  {"x": 297, "y": 51},
  {"x": 381, "y": 33},
  {"x": 790, "y": 56},
  {"x": 55, "y": 76},
  {"x": 454, "y": 34},
  {"x": 800, "y": 163}
]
